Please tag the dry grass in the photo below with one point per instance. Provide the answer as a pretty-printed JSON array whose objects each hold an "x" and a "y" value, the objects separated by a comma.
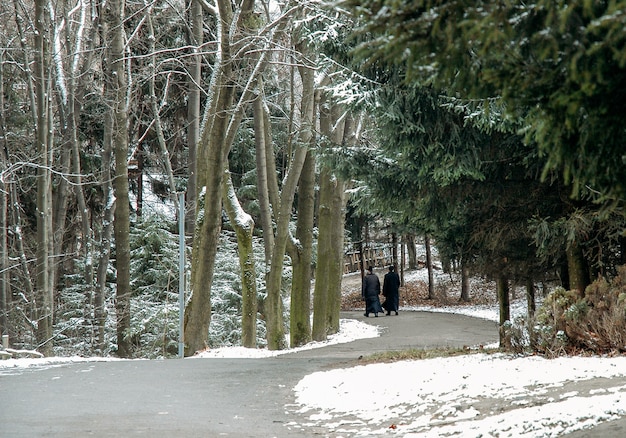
[
  {"x": 414, "y": 354},
  {"x": 415, "y": 293}
]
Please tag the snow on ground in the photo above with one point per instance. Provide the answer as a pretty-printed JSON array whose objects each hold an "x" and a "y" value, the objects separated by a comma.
[
  {"x": 444, "y": 396},
  {"x": 350, "y": 330}
]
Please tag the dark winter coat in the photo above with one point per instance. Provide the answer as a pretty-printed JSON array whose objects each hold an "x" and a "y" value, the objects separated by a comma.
[
  {"x": 391, "y": 286},
  {"x": 371, "y": 286},
  {"x": 370, "y": 292}
]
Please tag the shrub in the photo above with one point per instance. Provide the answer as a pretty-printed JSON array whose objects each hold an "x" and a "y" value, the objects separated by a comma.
[
  {"x": 597, "y": 322},
  {"x": 566, "y": 322}
]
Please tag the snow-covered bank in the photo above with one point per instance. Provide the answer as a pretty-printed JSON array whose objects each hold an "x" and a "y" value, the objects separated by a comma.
[
  {"x": 444, "y": 396},
  {"x": 350, "y": 330}
]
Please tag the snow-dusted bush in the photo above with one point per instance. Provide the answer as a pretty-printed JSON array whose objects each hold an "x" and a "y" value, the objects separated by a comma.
[
  {"x": 568, "y": 322},
  {"x": 154, "y": 326},
  {"x": 225, "y": 328}
]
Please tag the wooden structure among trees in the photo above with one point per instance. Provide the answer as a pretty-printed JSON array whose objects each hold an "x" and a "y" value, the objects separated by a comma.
[{"x": 376, "y": 257}]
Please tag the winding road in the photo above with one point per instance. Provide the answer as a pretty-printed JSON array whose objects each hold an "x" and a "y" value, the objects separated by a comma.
[{"x": 209, "y": 397}]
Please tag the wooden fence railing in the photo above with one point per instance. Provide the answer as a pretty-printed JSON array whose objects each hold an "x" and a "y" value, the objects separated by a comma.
[{"x": 377, "y": 257}]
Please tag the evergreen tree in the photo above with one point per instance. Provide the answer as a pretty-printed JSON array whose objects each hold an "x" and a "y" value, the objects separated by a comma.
[{"x": 558, "y": 65}]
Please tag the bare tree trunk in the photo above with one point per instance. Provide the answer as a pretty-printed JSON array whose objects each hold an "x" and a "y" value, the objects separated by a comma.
[
  {"x": 345, "y": 134},
  {"x": 402, "y": 262},
  {"x": 156, "y": 111},
  {"x": 530, "y": 298},
  {"x": 244, "y": 228},
  {"x": 429, "y": 266},
  {"x": 4, "y": 218},
  {"x": 411, "y": 251},
  {"x": 394, "y": 250},
  {"x": 502, "y": 286},
  {"x": 302, "y": 256},
  {"x": 577, "y": 268},
  {"x": 106, "y": 233},
  {"x": 327, "y": 295},
  {"x": 274, "y": 306},
  {"x": 104, "y": 247},
  {"x": 321, "y": 293},
  {"x": 465, "y": 284},
  {"x": 193, "y": 110},
  {"x": 59, "y": 206},
  {"x": 19, "y": 240},
  {"x": 218, "y": 134},
  {"x": 4, "y": 256},
  {"x": 213, "y": 156},
  {"x": 72, "y": 75},
  {"x": 265, "y": 208},
  {"x": 44, "y": 184},
  {"x": 121, "y": 226},
  {"x": 335, "y": 271}
]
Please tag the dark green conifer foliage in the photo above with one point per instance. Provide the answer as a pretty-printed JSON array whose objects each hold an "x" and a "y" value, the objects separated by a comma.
[{"x": 558, "y": 65}]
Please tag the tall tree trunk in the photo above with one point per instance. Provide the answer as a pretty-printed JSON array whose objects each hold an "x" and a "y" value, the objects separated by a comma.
[
  {"x": 394, "y": 250},
  {"x": 530, "y": 298},
  {"x": 16, "y": 229},
  {"x": 345, "y": 135},
  {"x": 502, "y": 287},
  {"x": 212, "y": 152},
  {"x": 327, "y": 295},
  {"x": 106, "y": 233},
  {"x": 59, "y": 202},
  {"x": 219, "y": 127},
  {"x": 322, "y": 279},
  {"x": 302, "y": 257},
  {"x": 193, "y": 109},
  {"x": 106, "y": 178},
  {"x": 321, "y": 293},
  {"x": 282, "y": 209},
  {"x": 577, "y": 268},
  {"x": 429, "y": 266},
  {"x": 121, "y": 225},
  {"x": 244, "y": 228},
  {"x": 302, "y": 254},
  {"x": 4, "y": 208},
  {"x": 402, "y": 262},
  {"x": 335, "y": 267},
  {"x": 44, "y": 181},
  {"x": 273, "y": 305},
  {"x": 156, "y": 111},
  {"x": 465, "y": 283},
  {"x": 265, "y": 208},
  {"x": 411, "y": 251},
  {"x": 72, "y": 76},
  {"x": 4, "y": 254}
]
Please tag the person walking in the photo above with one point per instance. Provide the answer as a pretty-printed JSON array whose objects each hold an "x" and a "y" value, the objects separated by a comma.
[
  {"x": 370, "y": 292},
  {"x": 391, "y": 287}
]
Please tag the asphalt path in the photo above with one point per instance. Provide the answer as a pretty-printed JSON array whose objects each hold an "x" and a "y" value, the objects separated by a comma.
[{"x": 206, "y": 397}]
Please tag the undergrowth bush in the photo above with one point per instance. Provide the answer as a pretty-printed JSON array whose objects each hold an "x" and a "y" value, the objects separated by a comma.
[
  {"x": 154, "y": 302},
  {"x": 567, "y": 323}
]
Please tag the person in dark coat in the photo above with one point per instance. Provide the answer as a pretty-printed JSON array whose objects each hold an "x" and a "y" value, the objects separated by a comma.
[
  {"x": 391, "y": 286},
  {"x": 370, "y": 292}
]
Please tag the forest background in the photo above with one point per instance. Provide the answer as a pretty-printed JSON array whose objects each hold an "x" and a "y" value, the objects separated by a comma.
[{"x": 298, "y": 130}]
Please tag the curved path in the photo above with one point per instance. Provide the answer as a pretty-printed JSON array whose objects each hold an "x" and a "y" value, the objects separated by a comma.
[
  {"x": 216, "y": 397},
  {"x": 203, "y": 397}
]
